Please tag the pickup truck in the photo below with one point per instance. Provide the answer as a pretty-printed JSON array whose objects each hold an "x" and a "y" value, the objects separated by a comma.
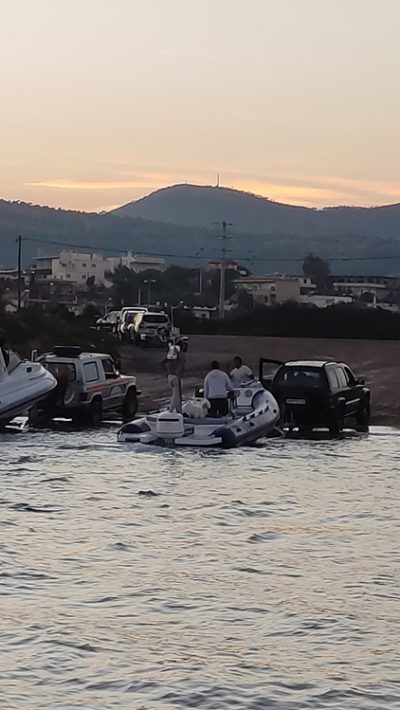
[{"x": 89, "y": 387}]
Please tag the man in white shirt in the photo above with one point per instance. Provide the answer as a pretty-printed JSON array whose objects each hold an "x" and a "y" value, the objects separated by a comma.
[
  {"x": 217, "y": 388},
  {"x": 174, "y": 365},
  {"x": 241, "y": 374}
]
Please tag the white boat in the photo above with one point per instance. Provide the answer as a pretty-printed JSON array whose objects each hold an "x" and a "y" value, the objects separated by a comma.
[
  {"x": 255, "y": 413},
  {"x": 22, "y": 384}
]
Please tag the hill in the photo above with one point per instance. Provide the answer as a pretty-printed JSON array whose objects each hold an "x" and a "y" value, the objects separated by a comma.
[
  {"x": 201, "y": 206},
  {"x": 41, "y": 226},
  {"x": 266, "y": 236}
]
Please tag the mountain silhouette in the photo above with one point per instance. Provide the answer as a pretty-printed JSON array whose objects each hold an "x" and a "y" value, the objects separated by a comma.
[
  {"x": 180, "y": 222},
  {"x": 201, "y": 206}
]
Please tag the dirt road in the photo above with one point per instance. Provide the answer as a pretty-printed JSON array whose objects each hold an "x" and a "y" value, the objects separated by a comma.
[{"x": 378, "y": 361}]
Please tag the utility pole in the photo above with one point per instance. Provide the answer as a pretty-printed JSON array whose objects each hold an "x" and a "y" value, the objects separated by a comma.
[
  {"x": 19, "y": 240},
  {"x": 224, "y": 237},
  {"x": 149, "y": 282},
  {"x": 200, "y": 281}
]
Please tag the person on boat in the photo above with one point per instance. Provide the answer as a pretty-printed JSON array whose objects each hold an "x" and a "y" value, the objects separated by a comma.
[
  {"x": 217, "y": 389},
  {"x": 174, "y": 366},
  {"x": 241, "y": 373}
]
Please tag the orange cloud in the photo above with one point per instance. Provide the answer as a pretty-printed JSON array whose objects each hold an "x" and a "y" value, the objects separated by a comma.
[
  {"x": 92, "y": 185},
  {"x": 303, "y": 190}
]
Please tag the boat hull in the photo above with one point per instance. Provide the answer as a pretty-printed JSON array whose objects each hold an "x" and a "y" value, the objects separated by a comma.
[
  {"x": 225, "y": 432},
  {"x": 23, "y": 387}
]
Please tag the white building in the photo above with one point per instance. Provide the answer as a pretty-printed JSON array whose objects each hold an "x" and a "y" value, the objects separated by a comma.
[
  {"x": 77, "y": 268},
  {"x": 136, "y": 262},
  {"x": 270, "y": 289},
  {"x": 71, "y": 266},
  {"x": 324, "y": 301}
]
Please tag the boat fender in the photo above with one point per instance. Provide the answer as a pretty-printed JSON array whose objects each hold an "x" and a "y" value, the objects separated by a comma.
[{"x": 229, "y": 440}]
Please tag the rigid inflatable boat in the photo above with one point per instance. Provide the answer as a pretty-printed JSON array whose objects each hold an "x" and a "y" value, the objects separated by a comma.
[{"x": 255, "y": 413}]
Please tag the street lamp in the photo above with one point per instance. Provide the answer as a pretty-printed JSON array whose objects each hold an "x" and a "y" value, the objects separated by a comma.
[{"x": 149, "y": 282}]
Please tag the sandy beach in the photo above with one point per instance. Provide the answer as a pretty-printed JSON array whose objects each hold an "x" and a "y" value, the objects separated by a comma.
[{"x": 375, "y": 360}]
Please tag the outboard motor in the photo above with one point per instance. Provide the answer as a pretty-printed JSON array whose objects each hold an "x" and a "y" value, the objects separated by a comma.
[{"x": 170, "y": 425}]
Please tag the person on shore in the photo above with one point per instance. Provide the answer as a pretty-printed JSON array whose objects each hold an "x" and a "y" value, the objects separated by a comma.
[
  {"x": 217, "y": 389},
  {"x": 174, "y": 366},
  {"x": 241, "y": 373}
]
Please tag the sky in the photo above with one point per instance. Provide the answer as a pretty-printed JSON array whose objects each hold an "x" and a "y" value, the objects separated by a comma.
[{"x": 104, "y": 101}]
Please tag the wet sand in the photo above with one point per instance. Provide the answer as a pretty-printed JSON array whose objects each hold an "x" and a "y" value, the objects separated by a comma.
[{"x": 378, "y": 361}]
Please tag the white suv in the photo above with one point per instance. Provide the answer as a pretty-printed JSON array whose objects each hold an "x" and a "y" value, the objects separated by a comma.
[
  {"x": 127, "y": 316},
  {"x": 89, "y": 386}
]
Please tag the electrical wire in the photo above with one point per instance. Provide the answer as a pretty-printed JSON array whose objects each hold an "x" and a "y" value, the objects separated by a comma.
[{"x": 241, "y": 258}]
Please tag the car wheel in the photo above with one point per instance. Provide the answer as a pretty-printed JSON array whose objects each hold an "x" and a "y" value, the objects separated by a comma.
[
  {"x": 305, "y": 428},
  {"x": 38, "y": 417},
  {"x": 337, "y": 423},
  {"x": 129, "y": 406},
  {"x": 364, "y": 413},
  {"x": 95, "y": 414}
]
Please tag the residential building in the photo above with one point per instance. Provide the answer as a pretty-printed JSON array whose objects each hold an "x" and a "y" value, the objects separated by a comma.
[
  {"x": 323, "y": 301},
  {"x": 75, "y": 267},
  {"x": 379, "y": 287},
  {"x": 230, "y": 265},
  {"x": 270, "y": 289},
  {"x": 306, "y": 285},
  {"x": 71, "y": 266},
  {"x": 204, "y": 312},
  {"x": 136, "y": 262}
]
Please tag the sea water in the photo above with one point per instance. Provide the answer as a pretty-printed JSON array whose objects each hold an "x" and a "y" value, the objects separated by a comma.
[{"x": 143, "y": 578}]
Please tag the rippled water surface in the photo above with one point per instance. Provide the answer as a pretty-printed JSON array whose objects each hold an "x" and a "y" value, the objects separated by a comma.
[{"x": 139, "y": 578}]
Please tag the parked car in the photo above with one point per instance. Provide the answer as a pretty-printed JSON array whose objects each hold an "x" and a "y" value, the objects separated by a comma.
[
  {"x": 154, "y": 328},
  {"x": 150, "y": 328},
  {"x": 109, "y": 322},
  {"x": 89, "y": 386},
  {"x": 315, "y": 393},
  {"x": 128, "y": 314}
]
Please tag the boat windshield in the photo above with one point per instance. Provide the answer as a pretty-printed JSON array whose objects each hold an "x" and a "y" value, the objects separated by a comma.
[{"x": 62, "y": 368}]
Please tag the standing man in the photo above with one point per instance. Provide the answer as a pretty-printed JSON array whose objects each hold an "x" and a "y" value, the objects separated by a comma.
[
  {"x": 241, "y": 374},
  {"x": 217, "y": 389},
  {"x": 174, "y": 367}
]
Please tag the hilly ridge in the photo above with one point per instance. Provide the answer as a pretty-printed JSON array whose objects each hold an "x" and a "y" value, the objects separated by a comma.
[
  {"x": 201, "y": 206},
  {"x": 181, "y": 220}
]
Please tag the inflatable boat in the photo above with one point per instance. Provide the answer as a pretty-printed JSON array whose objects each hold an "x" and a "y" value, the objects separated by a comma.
[
  {"x": 22, "y": 384},
  {"x": 254, "y": 414}
]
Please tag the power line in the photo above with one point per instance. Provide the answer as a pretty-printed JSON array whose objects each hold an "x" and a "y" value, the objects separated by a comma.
[{"x": 195, "y": 256}]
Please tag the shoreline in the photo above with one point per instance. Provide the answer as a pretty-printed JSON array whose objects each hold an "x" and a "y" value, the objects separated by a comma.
[{"x": 377, "y": 361}]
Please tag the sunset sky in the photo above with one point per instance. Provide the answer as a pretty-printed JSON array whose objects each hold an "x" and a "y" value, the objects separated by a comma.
[{"x": 103, "y": 101}]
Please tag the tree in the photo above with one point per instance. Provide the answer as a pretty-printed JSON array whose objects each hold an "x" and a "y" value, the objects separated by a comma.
[
  {"x": 245, "y": 301},
  {"x": 126, "y": 284},
  {"x": 318, "y": 270}
]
